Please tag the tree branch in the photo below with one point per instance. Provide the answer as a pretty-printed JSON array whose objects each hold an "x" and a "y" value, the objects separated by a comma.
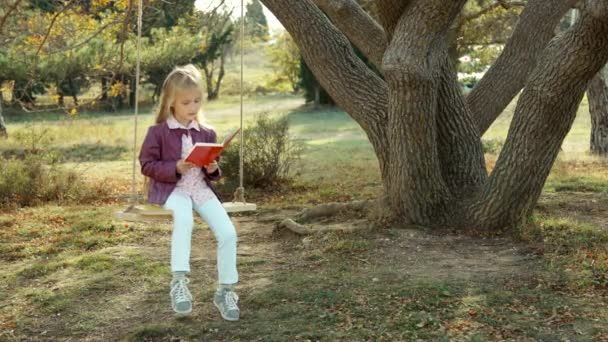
[
  {"x": 360, "y": 28},
  {"x": 8, "y": 13},
  {"x": 87, "y": 39},
  {"x": 508, "y": 74},
  {"x": 357, "y": 89},
  {"x": 48, "y": 31},
  {"x": 389, "y": 12}
]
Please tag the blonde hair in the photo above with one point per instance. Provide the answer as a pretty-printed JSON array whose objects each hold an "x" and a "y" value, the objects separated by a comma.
[{"x": 181, "y": 78}]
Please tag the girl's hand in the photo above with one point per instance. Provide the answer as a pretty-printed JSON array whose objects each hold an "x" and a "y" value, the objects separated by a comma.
[
  {"x": 211, "y": 168},
  {"x": 183, "y": 166}
]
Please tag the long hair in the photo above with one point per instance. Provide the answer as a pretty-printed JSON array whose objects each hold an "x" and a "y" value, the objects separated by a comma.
[{"x": 181, "y": 78}]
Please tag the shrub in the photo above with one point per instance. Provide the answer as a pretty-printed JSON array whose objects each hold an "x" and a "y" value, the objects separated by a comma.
[
  {"x": 36, "y": 176},
  {"x": 269, "y": 153}
]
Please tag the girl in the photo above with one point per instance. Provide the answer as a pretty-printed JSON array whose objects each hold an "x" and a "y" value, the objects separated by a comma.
[{"x": 181, "y": 186}]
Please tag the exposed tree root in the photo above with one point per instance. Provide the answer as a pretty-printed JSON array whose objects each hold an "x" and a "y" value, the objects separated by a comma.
[
  {"x": 324, "y": 211},
  {"x": 331, "y": 209}
]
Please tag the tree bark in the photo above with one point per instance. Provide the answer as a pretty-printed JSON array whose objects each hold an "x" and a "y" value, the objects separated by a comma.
[
  {"x": 412, "y": 62},
  {"x": 597, "y": 94},
  {"x": 3, "y": 130},
  {"x": 390, "y": 12},
  {"x": 358, "y": 26},
  {"x": 542, "y": 118},
  {"x": 507, "y": 76},
  {"x": 459, "y": 143}
]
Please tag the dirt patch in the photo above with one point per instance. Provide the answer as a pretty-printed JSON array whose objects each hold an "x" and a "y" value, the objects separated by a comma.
[{"x": 415, "y": 254}]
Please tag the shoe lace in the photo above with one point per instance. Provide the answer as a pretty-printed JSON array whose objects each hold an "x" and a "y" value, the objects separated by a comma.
[
  {"x": 231, "y": 298},
  {"x": 180, "y": 291}
]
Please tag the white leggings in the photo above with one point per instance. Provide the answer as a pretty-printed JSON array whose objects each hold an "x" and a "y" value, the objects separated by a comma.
[{"x": 216, "y": 217}]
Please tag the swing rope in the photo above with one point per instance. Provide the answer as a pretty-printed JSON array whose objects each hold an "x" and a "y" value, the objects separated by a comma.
[
  {"x": 137, "y": 71},
  {"x": 239, "y": 194}
]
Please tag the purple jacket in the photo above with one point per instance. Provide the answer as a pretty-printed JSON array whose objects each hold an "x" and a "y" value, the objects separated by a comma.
[{"x": 160, "y": 152}]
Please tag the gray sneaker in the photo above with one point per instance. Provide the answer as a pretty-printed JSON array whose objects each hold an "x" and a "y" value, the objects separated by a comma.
[
  {"x": 225, "y": 300},
  {"x": 181, "y": 299}
]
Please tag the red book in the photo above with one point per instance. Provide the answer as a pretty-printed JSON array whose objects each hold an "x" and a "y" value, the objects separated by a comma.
[{"x": 203, "y": 154}]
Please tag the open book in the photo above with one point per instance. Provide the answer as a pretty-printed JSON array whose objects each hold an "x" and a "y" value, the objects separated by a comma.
[{"x": 203, "y": 154}]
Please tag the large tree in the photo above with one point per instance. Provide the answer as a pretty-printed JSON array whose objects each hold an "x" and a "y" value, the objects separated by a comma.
[{"x": 425, "y": 134}]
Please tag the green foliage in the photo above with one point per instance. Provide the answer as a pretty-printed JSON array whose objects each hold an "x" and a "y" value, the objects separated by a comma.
[
  {"x": 165, "y": 49},
  {"x": 255, "y": 21},
  {"x": 270, "y": 152},
  {"x": 285, "y": 55},
  {"x": 164, "y": 14},
  {"x": 491, "y": 27}
]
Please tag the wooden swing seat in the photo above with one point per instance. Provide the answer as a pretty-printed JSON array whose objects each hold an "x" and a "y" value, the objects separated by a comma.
[{"x": 156, "y": 213}]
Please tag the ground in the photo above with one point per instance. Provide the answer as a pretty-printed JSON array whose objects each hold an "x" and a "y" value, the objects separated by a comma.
[{"x": 373, "y": 284}]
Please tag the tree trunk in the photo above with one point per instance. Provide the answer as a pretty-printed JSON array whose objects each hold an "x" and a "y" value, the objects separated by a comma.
[
  {"x": 220, "y": 77},
  {"x": 3, "y": 131},
  {"x": 597, "y": 95},
  {"x": 132, "y": 92},
  {"x": 413, "y": 65},
  {"x": 104, "y": 88},
  {"x": 209, "y": 79}
]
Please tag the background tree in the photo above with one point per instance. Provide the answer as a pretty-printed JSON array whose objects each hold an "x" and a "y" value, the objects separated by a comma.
[
  {"x": 164, "y": 13},
  {"x": 285, "y": 55},
  {"x": 425, "y": 134},
  {"x": 256, "y": 25},
  {"x": 216, "y": 31},
  {"x": 165, "y": 49}
]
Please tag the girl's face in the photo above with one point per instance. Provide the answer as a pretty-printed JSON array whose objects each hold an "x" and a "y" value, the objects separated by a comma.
[{"x": 186, "y": 105}]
